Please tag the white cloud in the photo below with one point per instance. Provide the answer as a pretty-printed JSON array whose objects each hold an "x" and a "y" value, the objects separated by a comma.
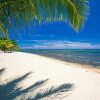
[{"x": 60, "y": 44}]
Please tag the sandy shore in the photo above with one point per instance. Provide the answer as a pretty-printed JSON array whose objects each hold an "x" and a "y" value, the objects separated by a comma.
[
  {"x": 84, "y": 84},
  {"x": 85, "y": 66}
]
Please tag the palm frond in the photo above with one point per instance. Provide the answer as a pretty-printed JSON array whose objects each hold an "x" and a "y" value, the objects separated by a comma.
[
  {"x": 74, "y": 12},
  {"x": 3, "y": 30}
]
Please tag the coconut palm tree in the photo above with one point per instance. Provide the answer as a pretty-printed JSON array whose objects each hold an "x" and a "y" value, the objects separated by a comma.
[
  {"x": 3, "y": 44},
  {"x": 13, "y": 45},
  {"x": 74, "y": 12},
  {"x": 8, "y": 45}
]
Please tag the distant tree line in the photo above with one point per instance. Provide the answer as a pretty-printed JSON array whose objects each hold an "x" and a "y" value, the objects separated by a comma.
[{"x": 7, "y": 45}]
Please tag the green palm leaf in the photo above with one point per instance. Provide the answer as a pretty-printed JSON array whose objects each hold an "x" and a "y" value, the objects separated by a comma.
[
  {"x": 74, "y": 12},
  {"x": 2, "y": 29}
]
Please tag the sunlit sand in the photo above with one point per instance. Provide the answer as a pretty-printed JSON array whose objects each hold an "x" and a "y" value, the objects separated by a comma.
[{"x": 85, "y": 83}]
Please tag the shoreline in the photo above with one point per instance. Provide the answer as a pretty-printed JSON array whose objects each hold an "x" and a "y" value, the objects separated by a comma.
[{"x": 85, "y": 66}]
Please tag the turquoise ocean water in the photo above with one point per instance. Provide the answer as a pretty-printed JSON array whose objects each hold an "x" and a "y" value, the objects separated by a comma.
[{"x": 90, "y": 57}]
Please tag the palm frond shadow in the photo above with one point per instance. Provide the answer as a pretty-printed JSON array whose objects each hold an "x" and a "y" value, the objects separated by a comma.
[
  {"x": 53, "y": 91},
  {"x": 2, "y": 71},
  {"x": 10, "y": 89}
]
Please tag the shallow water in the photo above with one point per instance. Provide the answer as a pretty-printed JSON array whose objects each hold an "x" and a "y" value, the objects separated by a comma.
[{"x": 90, "y": 57}]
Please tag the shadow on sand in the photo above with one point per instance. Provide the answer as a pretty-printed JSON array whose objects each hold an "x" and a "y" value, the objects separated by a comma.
[{"x": 10, "y": 90}]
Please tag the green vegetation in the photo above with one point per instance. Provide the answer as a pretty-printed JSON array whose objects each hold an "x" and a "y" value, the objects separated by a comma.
[
  {"x": 74, "y": 12},
  {"x": 8, "y": 45}
]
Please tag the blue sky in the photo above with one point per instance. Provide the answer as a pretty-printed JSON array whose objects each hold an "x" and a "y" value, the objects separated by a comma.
[{"x": 59, "y": 35}]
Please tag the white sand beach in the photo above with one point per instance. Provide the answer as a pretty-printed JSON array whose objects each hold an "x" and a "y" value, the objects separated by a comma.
[{"x": 85, "y": 83}]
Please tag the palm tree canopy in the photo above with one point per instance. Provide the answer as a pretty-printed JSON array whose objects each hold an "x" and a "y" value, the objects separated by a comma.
[
  {"x": 73, "y": 12},
  {"x": 8, "y": 45}
]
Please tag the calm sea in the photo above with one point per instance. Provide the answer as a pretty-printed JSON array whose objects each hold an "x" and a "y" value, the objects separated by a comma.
[{"x": 90, "y": 57}]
